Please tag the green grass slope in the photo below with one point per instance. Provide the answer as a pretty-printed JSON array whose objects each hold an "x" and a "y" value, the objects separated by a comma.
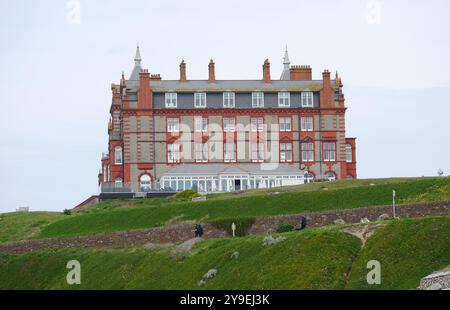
[
  {"x": 261, "y": 204},
  {"x": 321, "y": 258},
  {"x": 24, "y": 225},
  {"x": 407, "y": 251},
  {"x": 318, "y": 258}
]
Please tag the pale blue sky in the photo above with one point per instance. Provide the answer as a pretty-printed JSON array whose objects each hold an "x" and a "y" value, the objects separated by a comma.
[{"x": 55, "y": 77}]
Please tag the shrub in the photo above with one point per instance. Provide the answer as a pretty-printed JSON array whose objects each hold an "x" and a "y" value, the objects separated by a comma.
[
  {"x": 281, "y": 228},
  {"x": 185, "y": 195},
  {"x": 242, "y": 225},
  {"x": 67, "y": 212}
]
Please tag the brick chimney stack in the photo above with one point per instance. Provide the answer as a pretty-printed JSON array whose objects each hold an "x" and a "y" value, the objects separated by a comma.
[
  {"x": 145, "y": 96},
  {"x": 212, "y": 71},
  {"x": 327, "y": 92},
  {"x": 326, "y": 79},
  {"x": 301, "y": 73},
  {"x": 266, "y": 71},
  {"x": 182, "y": 71}
]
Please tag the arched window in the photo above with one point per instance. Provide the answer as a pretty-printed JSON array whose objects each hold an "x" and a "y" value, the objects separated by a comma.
[
  {"x": 145, "y": 183},
  {"x": 330, "y": 175},
  {"x": 309, "y": 177},
  {"x": 118, "y": 160},
  {"x": 348, "y": 153},
  {"x": 119, "y": 183}
]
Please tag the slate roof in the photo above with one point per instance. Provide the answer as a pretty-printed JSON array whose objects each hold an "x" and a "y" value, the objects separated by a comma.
[
  {"x": 230, "y": 85},
  {"x": 219, "y": 168}
]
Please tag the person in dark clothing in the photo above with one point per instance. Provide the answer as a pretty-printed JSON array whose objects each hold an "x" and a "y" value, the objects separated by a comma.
[
  {"x": 200, "y": 230},
  {"x": 303, "y": 222},
  {"x": 196, "y": 230}
]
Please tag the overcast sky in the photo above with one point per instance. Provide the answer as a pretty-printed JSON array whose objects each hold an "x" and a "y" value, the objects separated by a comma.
[{"x": 56, "y": 68}]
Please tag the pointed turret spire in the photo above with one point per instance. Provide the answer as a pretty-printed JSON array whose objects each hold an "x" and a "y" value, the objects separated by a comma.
[
  {"x": 137, "y": 58},
  {"x": 286, "y": 75},
  {"x": 137, "y": 65}
]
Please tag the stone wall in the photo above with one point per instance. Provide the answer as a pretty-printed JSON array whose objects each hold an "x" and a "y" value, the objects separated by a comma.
[
  {"x": 176, "y": 233},
  {"x": 317, "y": 219},
  {"x": 183, "y": 232}
]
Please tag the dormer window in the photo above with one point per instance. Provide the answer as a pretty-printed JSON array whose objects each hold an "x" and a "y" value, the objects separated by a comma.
[
  {"x": 307, "y": 99},
  {"x": 171, "y": 100},
  {"x": 284, "y": 99},
  {"x": 258, "y": 99},
  {"x": 200, "y": 100},
  {"x": 228, "y": 99}
]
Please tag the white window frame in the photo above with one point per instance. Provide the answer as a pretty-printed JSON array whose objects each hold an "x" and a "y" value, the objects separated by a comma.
[
  {"x": 229, "y": 124},
  {"x": 307, "y": 151},
  {"x": 257, "y": 124},
  {"x": 173, "y": 153},
  {"x": 145, "y": 183},
  {"x": 348, "y": 153},
  {"x": 284, "y": 99},
  {"x": 258, "y": 99},
  {"x": 173, "y": 124},
  {"x": 201, "y": 152},
  {"x": 307, "y": 99},
  {"x": 200, "y": 100},
  {"x": 171, "y": 100},
  {"x": 200, "y": 124},
  {"x": 285, "y": 123},
  {"x": 118, "y": 155},
  {"x": 329, "y": 151},
  {"x": 227, "y": 152},
  {"x": 118, "y": 183},
  {"x": 229, "y": 99},
  {"x": 285, "y": 149},
  {"x": 306, "y": 123},
  {"x": 257, "y": 152}
]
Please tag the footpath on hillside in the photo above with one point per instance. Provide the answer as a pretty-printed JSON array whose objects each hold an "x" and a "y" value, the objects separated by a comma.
[{"x": 261, "y": 225}]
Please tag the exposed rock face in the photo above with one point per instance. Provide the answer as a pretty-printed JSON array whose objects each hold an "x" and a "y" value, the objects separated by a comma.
[{"x": 436, "y": 281}]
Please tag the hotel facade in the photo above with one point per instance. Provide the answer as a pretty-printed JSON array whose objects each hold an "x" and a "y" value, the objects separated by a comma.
[{"x": 224, "y": 135}]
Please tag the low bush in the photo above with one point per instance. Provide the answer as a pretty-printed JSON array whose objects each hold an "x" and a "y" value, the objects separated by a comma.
[{"x": 281, "y": 228}]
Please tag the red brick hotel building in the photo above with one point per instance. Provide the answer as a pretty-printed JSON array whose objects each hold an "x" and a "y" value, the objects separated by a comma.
[{"x": 224, "y": 135}]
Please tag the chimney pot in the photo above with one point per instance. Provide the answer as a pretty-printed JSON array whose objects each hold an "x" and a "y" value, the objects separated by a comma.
[
  {"x": 182, "y": 71},
  {"x": 266, "y": 71},
  {"x": 212, "y": 71}
]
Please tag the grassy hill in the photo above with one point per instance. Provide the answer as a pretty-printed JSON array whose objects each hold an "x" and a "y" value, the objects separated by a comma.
[
  {"x": 120, "y": 215},
  {"x": 321, "y": 258}
]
